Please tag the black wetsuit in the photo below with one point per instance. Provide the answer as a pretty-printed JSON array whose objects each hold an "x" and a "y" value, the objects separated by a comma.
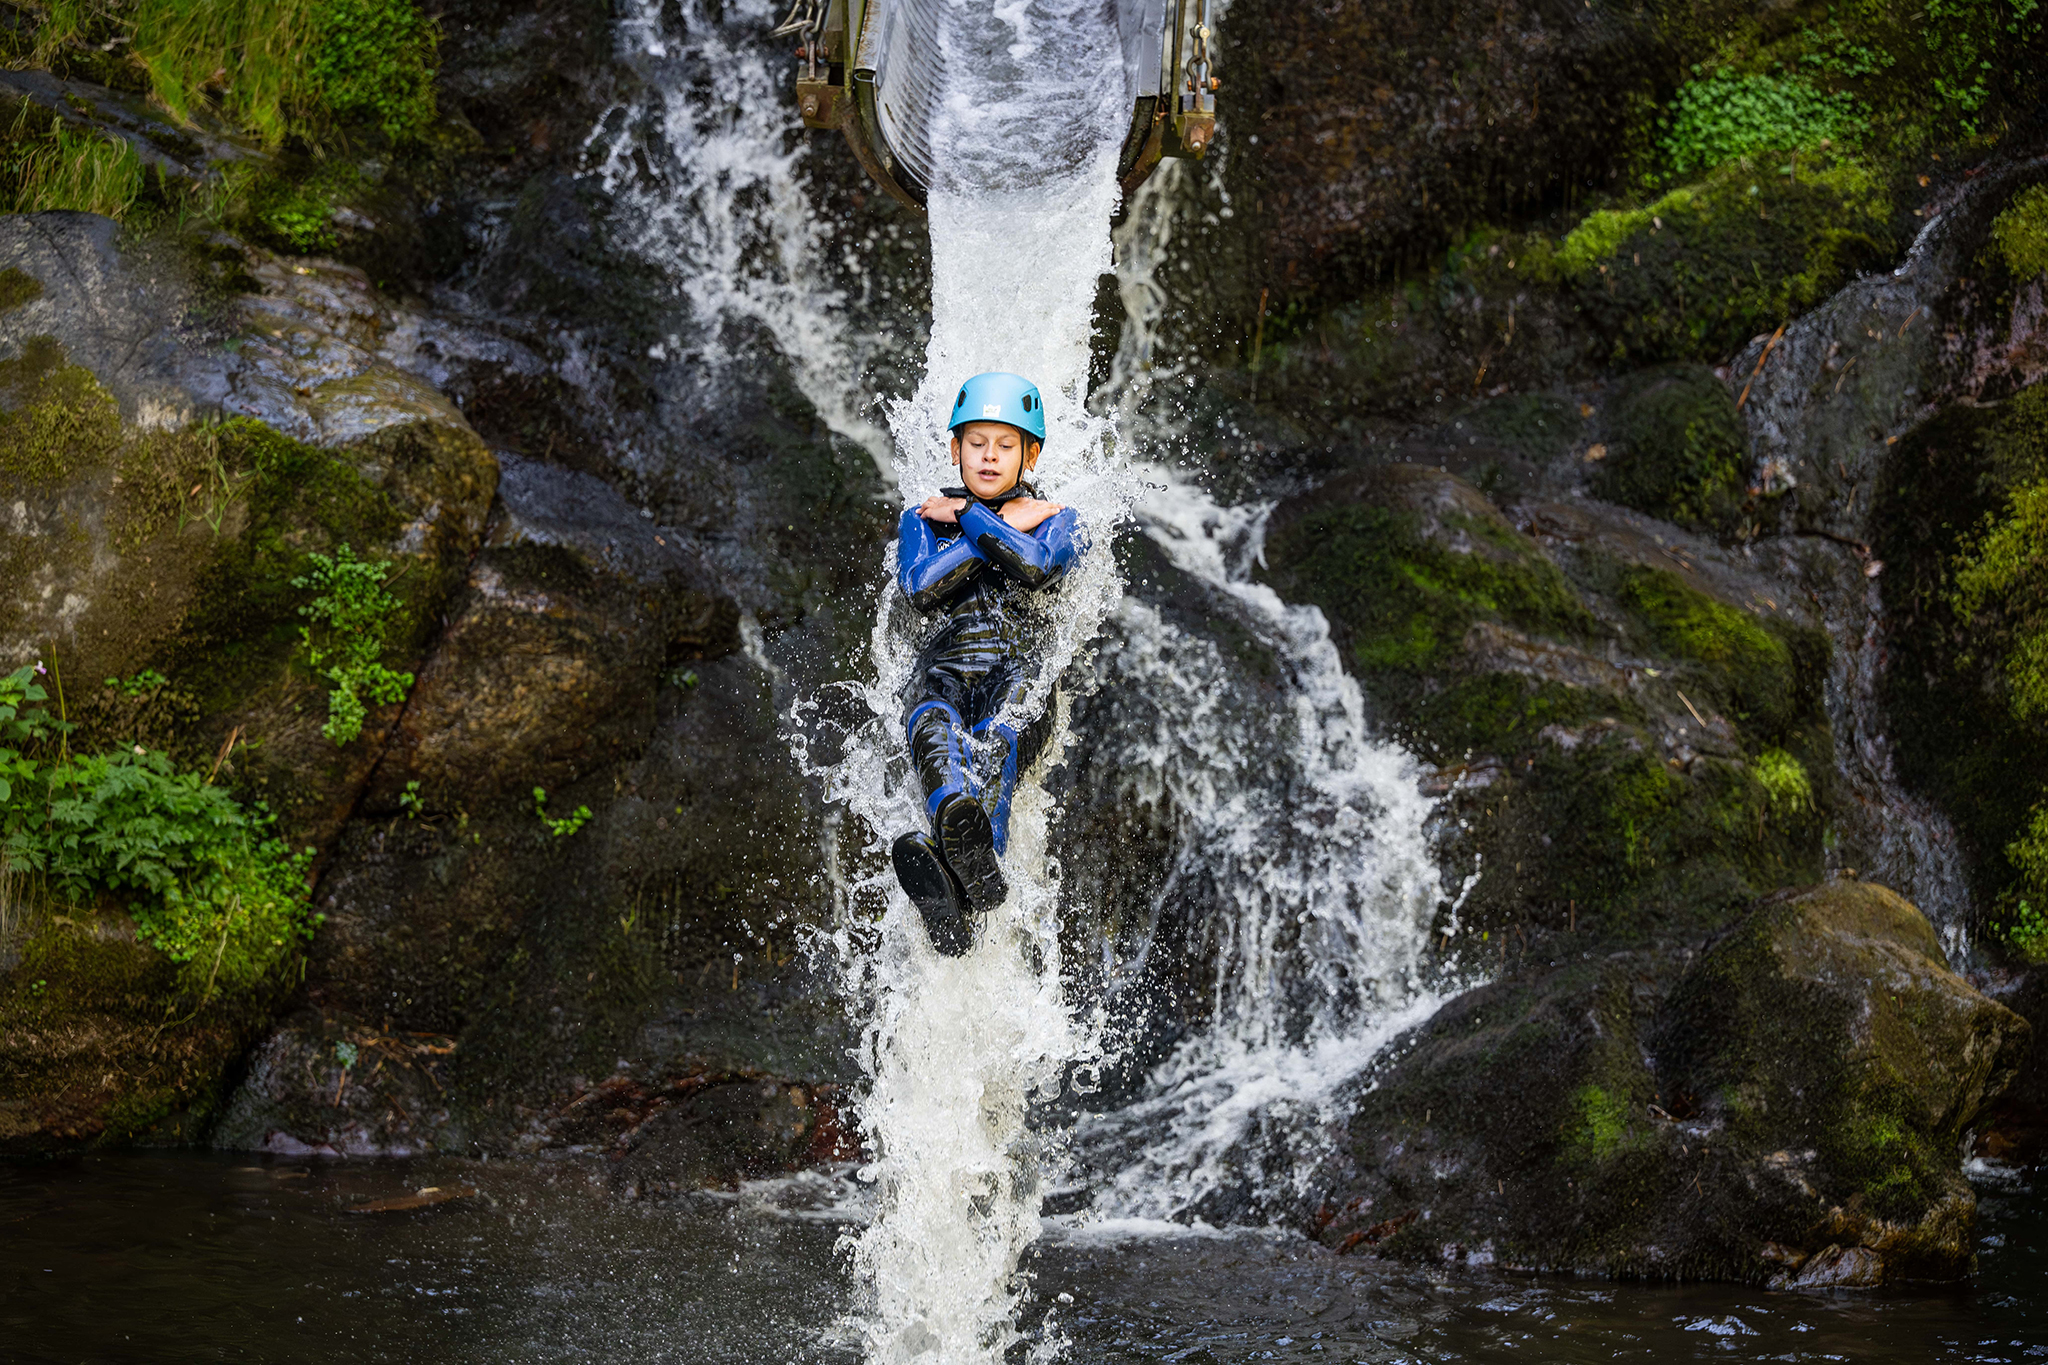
[{"x": 979, "y": 663}]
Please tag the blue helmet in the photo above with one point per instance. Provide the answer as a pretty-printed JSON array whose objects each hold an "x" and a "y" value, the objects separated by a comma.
[{"x": 1000, "y": 397}]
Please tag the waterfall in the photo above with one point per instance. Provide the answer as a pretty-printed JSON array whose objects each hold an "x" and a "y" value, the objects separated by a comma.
[
  {"x": 1306, "y": 833},
  {"x": 1306, "y": 836}
]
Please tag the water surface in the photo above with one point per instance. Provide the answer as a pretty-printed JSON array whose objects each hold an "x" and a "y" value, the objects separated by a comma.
[{"x": 201, "y": 1258}]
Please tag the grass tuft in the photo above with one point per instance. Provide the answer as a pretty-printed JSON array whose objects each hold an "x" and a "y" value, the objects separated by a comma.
[{"x": 59, "y": 167}]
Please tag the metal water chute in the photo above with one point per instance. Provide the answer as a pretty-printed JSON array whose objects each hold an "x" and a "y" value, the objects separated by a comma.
[{"x": 870, "y": 69}]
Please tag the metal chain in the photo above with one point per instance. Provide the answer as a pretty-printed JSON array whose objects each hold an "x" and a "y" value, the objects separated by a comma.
[{"x": 806, "y": 18}]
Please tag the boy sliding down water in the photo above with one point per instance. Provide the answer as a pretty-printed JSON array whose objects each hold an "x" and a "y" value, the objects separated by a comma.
[{"x": 970, "y": 556}]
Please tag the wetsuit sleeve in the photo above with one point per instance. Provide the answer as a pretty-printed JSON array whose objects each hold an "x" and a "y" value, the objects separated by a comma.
[
  {"x": 1034, "y": 559},
  {"x": 929, "y": 569}
]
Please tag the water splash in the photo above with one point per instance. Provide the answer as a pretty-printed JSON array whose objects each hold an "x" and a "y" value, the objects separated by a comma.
[{"x": 1307, "y": 835}]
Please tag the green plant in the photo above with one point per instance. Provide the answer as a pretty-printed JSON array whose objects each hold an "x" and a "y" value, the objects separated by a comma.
[
  {"x": 1721, "y": 117},
  {"x": 2003, "y": 574},
  {"x": 351, "y": 614},
  {"x": 375, "y": 61},
  {"x": 346, "y": 1053},
  {"x": 141, "y": 685},
  {"x": 2020, "y": 232},
  {"x": 2025, "y": 931},
  {"x": 205, "y": 881},
  {"x": 63, "y": 168},
  {"x": 411, "y": 801},
  {"x": 1962, "y": 39},
  {"x": 565, "y": 826},
  {"x": 272, "y": 67}
]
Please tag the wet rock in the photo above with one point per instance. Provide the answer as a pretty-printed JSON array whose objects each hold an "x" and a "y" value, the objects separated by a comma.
[
  {"x": 1678, "y": 448},
  {"x": 1433, "y": 116},
  {"x": 326, "y": 1085},
  {"x": 89, "y": 1055},
  {"x": 1788, "y": 1097},
  {"x": 2014, "y": 1131}
]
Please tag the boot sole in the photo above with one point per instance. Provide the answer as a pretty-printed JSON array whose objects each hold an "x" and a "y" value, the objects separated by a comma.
[
  {"x": 968, "y": 844},
  {"x": 935, "y": 892}
]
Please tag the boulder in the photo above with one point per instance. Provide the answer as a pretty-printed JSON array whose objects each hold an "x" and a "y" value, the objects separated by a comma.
[{"x": 1784, "y": 1103}]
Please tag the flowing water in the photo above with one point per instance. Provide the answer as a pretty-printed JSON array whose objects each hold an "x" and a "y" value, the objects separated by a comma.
[{"x": 1030, "y": 109}]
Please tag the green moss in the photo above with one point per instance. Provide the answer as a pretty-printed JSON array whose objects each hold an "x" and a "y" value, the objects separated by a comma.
[
  {"x": 1502, "y": 713},
  {"x": 18, "y": 287},
  {"x": 1698, "y": 272},
  {"x": 1677, "y": 449},
  {"x": 2021, "y": 233},
  {"x": 1784, "y": 778},
  {"x": 1741, "y": 665},
  {"x": 2002, "y": 578},
  {"x": 1959, "y": 515},
  {"x": 1599, "y": 1124},
  {"x": 1406, "y": 602},
  {"x": 58, "y": 419}
]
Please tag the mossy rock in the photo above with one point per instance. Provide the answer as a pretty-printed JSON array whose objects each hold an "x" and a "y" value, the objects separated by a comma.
[
  {"x": 176, "y": 550},
  {"x": 1948, "y": 684},
  {"x": 1407, "y": 560},
  {"x": 99, "y": 1048},
  {"x": 1676, "y": 448},
  {"x": 1693, "y": 275},
  {"x": 1828, "y": 1027},
  {"x": 1799, "y": 1089}
]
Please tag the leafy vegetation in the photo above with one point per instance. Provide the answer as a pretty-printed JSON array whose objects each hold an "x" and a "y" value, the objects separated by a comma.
[
  {"x": 2005, "y": 573},
  {"x": 351, "y": 615},
  {"x": 567, "y": 824},
  {"x": 206, "y": 881},
  {"x": 1717, "y": 118}
]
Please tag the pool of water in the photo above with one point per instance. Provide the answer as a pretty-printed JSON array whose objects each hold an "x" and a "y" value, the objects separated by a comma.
[{"x": 197, "y": 1258}]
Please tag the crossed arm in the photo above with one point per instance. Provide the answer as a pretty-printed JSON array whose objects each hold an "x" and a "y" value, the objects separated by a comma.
[{"x": 1032, "y": 543}]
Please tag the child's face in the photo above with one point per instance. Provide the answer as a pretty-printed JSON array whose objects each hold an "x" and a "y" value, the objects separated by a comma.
[{"x": 992, "y": 456}]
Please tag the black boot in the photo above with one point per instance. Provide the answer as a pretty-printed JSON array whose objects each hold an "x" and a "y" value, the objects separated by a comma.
[
  {"x": 968, "y": 844},
  {"x": 935, "y": 891}
]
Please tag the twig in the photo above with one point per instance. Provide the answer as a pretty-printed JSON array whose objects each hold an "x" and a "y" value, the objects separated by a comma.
[
  {"x": 1907, "y": 323},
  {"x": 222, "y": 756},
  {"x": 1769, "y": 346},
  {"x": 1689, "y": 706}
]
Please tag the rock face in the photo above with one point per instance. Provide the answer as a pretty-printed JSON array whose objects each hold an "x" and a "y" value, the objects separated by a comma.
[
  {"x": 143, "y": 539},
  {"x": 1481, "y": 110},
  {"x": 560, "y": 640},
  {"x": 1780, "y": 1103}
]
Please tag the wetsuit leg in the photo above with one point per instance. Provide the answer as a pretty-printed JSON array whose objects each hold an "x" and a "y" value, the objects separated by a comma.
[
  {"x": 960, "y": 825},
  {"x": 1021, "y": 747},
  {"x": 938, "y": 746}
]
